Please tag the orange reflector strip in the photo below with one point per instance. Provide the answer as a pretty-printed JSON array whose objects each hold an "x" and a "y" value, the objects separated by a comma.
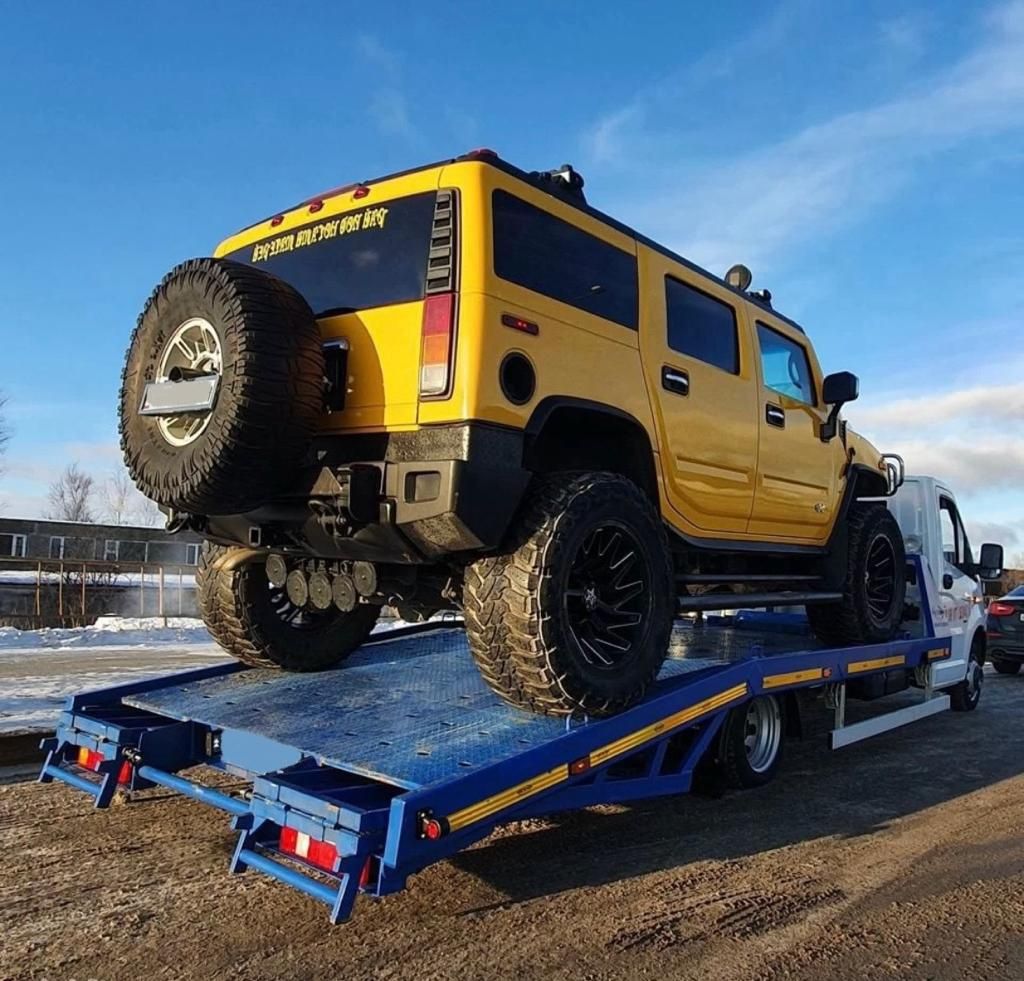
[{"x": 875, "y": 664}]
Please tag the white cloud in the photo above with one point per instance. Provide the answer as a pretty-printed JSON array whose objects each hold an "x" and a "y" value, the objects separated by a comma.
[
  {"x": 987, "y": 404},
  {"x": 778, "y": 196},
  {"x": 389, "y": 107}
]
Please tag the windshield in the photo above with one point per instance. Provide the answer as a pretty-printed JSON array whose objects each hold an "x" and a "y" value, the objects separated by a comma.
[{"x": 373, "y": 257}]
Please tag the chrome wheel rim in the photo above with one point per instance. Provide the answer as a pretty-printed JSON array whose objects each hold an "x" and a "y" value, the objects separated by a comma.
[
  {"x": 880, "y": 578},
  {"x": 193, "y": 347},
  {"x": 762, "y": 733},
  {"x": 607, "y": 596}
]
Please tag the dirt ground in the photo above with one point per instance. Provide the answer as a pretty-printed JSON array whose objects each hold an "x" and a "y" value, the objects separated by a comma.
[{"x": 899, "y": 858}]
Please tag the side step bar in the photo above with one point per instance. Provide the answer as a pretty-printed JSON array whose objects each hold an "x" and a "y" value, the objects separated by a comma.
[{"x": 742, "y": 601}]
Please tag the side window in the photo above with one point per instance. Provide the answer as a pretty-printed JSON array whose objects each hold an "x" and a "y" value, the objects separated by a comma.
[
  {"x": 700, "y": 326},
  {"x": 785, "y": 366},
  {"x": 191, "y": 554},
  {"x": 956, "y": 550},
  {"x": 533, "y": 248},
  {"x": 56, "y": 546}
]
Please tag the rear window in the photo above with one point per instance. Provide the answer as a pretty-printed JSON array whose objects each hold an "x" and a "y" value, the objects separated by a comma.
[
  {"x": 533, "y": 248},
  {"x": 373, "y": 257}
]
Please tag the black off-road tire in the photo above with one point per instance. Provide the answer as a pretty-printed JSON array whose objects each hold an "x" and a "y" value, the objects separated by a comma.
[
  {"x": 268, "y": 403},
  {"x": 1005, "y": 667},
  {"x": 237, "y": 605},
  {"x": 515, "y": 607},
  {"x": 852, "y": 621}
]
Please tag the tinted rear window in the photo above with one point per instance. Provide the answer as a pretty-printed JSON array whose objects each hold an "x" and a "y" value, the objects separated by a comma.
[
  {"x": 701, "y": 326},
  {"x": 368, "y": 258},
  {"x": 533, "y": 248}
]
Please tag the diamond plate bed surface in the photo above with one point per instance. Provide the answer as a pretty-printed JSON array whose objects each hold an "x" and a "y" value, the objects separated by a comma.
[{"x": 409, "y": 711}]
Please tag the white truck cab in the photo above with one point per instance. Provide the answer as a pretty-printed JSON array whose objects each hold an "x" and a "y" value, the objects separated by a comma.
[{"x": 929, "y": 518}]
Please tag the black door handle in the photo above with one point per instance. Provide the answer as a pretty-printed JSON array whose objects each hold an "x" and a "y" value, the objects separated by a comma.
[
  {"x": 675, "y": 380},
  {"x": 774, "y": 416}
]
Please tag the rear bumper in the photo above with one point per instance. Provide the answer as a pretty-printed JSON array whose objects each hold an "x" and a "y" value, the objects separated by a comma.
[
  {"x": 396, "y": 497},
  {"x": 1003, "y": 647}
]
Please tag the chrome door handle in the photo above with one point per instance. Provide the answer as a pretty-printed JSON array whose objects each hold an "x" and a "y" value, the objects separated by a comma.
[
  {"x": 774, "y": 416},
  {"x": 675, "y": 380}
]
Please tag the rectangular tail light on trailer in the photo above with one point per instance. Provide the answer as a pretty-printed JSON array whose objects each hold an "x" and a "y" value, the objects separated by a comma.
[{"x": 297, "y": 844}]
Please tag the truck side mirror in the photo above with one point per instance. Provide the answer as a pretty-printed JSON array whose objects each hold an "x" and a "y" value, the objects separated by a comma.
[
  {"x": 836, "y": 390},
  {"x": 990, "y": 563}
]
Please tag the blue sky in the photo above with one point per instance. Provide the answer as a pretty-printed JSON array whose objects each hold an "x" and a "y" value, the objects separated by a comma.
[{"x": 865, "y": 159}]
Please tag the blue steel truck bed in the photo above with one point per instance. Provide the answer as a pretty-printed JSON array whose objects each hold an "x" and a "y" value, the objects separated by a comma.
[{"x": 361, "y": 776}]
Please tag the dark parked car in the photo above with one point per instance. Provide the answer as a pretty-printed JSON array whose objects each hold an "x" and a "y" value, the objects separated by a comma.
[{"x": 1006, "y": 631}]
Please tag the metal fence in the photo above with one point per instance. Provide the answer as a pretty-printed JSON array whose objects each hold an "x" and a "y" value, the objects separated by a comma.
[{"x": 54, "y": 592}]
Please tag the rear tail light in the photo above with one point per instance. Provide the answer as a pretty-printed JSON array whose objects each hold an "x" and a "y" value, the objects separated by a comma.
[
  {"x": 299, "y": 845},
  {"x": 89, "y": 759},
  {"x": 997, "y": 609},
  {"x": 436, "y": 350}
]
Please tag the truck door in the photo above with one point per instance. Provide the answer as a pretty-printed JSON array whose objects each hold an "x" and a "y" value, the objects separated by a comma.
[
  {"x": 702, "y": 383},
  {"x": 957, "y": 590},
  {"x": 795, "y": 495}
]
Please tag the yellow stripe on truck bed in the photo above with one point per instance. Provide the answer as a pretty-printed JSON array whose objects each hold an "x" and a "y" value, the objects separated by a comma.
[
  {"x": 513, "y": 795},
  {"x": 793, "y": 677},
  {"x": 855, "y": 667}
]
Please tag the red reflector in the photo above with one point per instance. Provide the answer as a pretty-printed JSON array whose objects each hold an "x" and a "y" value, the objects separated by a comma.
[
  {"x": 322, "y": 854},
  {"x": 432, "y": 829},
  {"x": 276, "y": 220},
  {"x": 576, "y": 767},
  {"x": 361, "y": 191},
  {"x": 482, "y": 151},
  {"x": 289, "y": 838},
  {"x": 517, "y": 323},
  {"x": 315, "y": 207},
  {"x": 366, "y": 876},
  {"x": 998, "y": 609},
  {"x": 124, "y": 775}
]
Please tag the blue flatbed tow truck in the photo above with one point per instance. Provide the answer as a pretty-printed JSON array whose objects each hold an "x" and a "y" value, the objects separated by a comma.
[{"x": 359, "y": 777}]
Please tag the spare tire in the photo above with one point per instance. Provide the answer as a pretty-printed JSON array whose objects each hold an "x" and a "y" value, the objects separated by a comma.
[{"x": 213, "y": 316}]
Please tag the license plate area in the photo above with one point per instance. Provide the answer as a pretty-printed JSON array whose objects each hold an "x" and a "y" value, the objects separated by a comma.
[{"x": 173, "y": 398}]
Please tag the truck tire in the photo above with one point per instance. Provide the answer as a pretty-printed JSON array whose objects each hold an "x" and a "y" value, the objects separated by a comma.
[
  {"x": 259, "y": 335},
  {"x": 750, "y": 746},
  {"x": 575, "y": 617},
  {"x": 875, "y": 583},
  {"x": 256, "y": 623},
  {"x": 964, "y": 697},
  {"x": 1006, "y": 667}
]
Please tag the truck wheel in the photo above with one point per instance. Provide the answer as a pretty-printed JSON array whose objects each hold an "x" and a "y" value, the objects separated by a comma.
[
  {"x": 1006, "y": 667},
  {"x": 215, "y": 317},
  {"x": 256, "y": 623},
  {"x": 965, "y": 696},
  {"x": 750, "y": 748},
  {"x": 576, "y": 617},
  {"x": 875, "y": 585}
]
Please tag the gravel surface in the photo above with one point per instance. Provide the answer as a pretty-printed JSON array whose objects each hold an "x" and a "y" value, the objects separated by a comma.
[{"x": 899, "y": 858}]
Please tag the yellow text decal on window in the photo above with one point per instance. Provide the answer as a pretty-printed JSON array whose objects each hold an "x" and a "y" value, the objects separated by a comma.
[{"x": 358, "y": 221}]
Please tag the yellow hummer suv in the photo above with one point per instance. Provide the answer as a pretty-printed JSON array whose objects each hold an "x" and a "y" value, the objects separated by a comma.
[{"x": 462, "y": 387}]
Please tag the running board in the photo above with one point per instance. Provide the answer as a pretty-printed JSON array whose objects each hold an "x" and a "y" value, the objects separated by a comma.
[
  {"x": 847, "y": 735},
  {"x": 747, "y": 601}
]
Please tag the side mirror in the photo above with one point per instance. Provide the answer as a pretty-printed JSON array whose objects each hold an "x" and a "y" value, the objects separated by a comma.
[
  {"x": 836, "y": 390},
  {"x": 990, "y": 564},
  {"x": 840, "y": 387}
]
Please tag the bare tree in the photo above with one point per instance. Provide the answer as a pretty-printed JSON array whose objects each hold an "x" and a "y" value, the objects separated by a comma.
[
  {"x": 117, "y": 493},
  {"x": 121, "y": 503},
  {"x": 71, "y": 495}
]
